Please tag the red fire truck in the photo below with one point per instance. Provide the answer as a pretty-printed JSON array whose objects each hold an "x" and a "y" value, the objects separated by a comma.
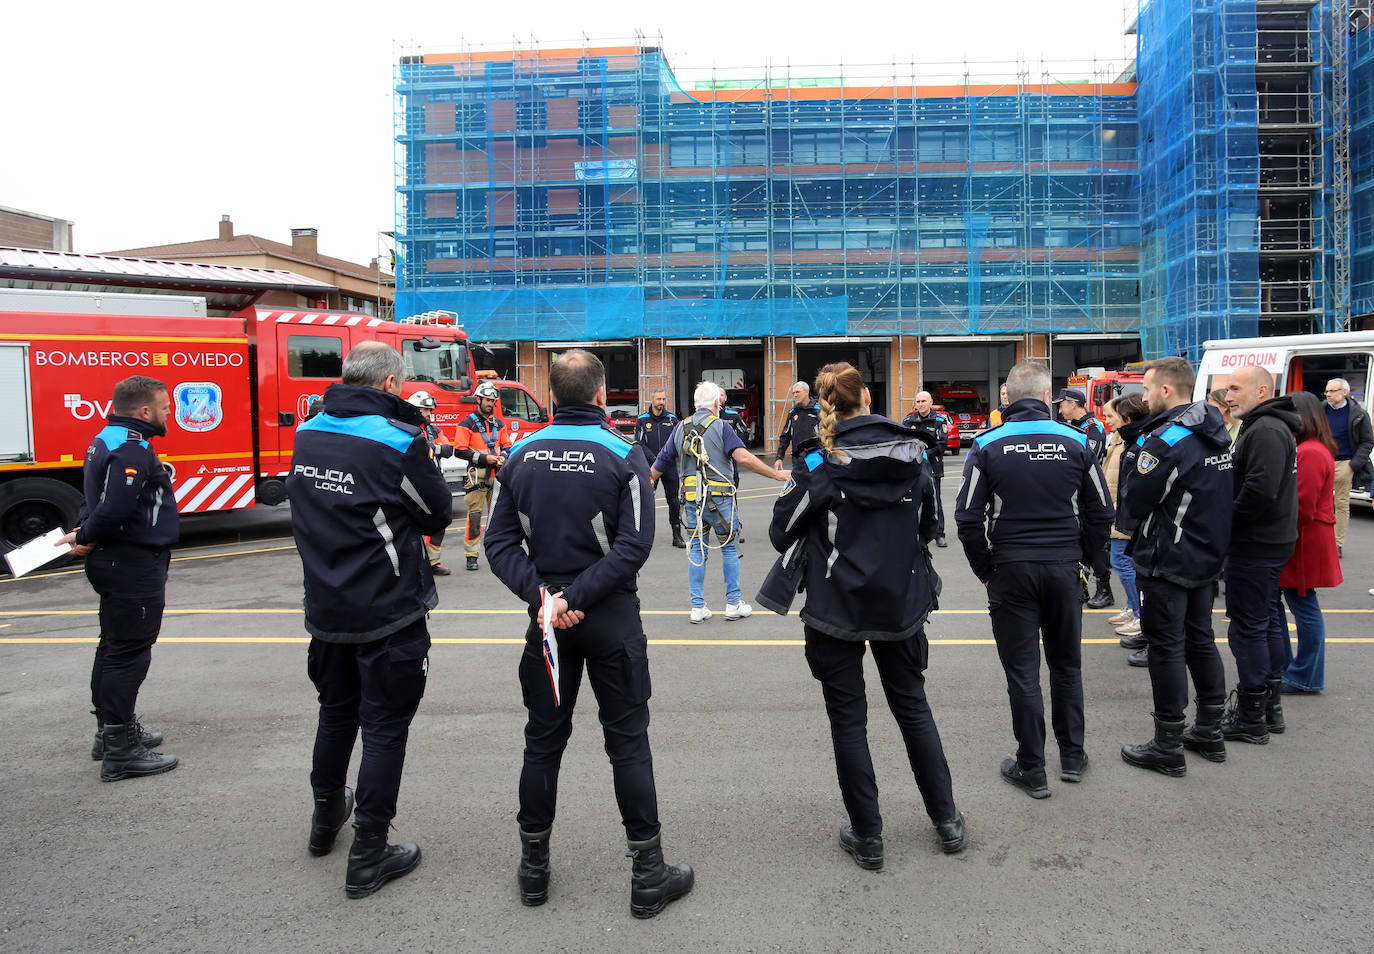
[
  {"x": 239, "y": 387},
  {"x": 1100, "y": 385}
]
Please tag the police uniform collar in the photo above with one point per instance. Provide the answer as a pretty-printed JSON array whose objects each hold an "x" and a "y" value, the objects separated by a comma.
[
  {"x": 349, "y": 400},
  {"x": 144, "y": 428},
  {"x": 1027, "y": 409},
  {"x": 579, "y": 414}
]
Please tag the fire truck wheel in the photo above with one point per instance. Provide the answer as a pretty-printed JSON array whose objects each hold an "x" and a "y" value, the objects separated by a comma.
[{"x": 31, "y": 506}]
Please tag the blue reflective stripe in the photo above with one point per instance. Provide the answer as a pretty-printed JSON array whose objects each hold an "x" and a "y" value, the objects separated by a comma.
[
  {"x": 114, "y": 436},
  {"x": 582, "y": 432},
  {"x": 371, "y": 427},
  {"x": 813, "y": 459},
  {"x": 1031, "y": 429},
  {"x": 1174, "y": 433},
  {"x": 644, "y": 416}
]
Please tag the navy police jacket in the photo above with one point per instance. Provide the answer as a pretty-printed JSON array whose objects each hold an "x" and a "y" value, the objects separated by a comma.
[
  {"x": 653, "y": 430},
  {"x": 575, "y": 511},
  {"x": 1033, "y": 491},
  {"x": 798, "y": 428},
  {"x": 363, "y": 493},
  {"x": 1097, "y": 434},
  {"x": 864, "y": 518},
  {"x": 128, "y": 493},
  {"x": 936, "y": 425},
  {"x": 1180, "y": 492}
]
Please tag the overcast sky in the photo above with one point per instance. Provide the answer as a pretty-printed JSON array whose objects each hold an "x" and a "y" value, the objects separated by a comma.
[{"x": 145, "y": 122}]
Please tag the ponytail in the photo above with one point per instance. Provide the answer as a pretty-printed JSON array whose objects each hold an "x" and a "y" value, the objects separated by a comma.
[{"x": 840, "y": 391}]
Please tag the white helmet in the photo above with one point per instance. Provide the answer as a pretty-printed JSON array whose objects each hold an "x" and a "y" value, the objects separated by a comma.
[
  {"x": 424, "y": 399},
  {"x": 486, "y": 390}
]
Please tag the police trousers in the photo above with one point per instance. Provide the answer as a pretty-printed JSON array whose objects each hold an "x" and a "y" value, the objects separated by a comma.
[
  {"x": 611, "y": 646},
  {"x": 1177, "y": 622},
  {"x": 132, "y": 583},
  {"x": 1030, "y": 603},
  {"x": 668, "y": 481},
  {"x": 838, "y": 665},
  {"x": 377, "y": 687}
]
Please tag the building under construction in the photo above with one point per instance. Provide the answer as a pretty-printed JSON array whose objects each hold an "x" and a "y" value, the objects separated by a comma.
[{"x": 928, "y": 231}]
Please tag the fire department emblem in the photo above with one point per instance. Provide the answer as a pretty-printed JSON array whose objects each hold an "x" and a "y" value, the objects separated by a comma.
[{"x": 199, "y": 406}]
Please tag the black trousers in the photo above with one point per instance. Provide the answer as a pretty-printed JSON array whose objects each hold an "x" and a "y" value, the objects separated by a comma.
[
  {"x": 668, "y": 481},
  {"x": 838, "y": 665},
  {"x": 132, "y": 583},
  {"x": 1259, "y": 628},
  {"x": 1177, "y": 621},
  {"x": 939, "y": 506},
  {"x": 611, "y": 646},
  {"x": 376, "y": 686},
  {"x": 1028, "y": 603}
]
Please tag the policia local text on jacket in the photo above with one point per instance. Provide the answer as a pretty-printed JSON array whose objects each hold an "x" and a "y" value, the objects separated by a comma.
[
  {"x": 1034, "y": 504},
  {"x": 865, "y": 517},
  {"x": 364, "y": 491}
]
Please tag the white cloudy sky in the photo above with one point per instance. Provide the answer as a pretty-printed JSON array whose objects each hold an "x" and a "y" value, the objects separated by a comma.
[{"x": 144, "y": 122}]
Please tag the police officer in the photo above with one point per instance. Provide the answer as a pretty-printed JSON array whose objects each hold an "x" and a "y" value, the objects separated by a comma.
[
  {"x": 126, "y": 523},
  {"x": 1182, "y": 462},
  {"x": 802, "y": 421},
  {"x": 652, "y": 430},
  {"x": 364, "y": 491},
  {"x": 867, "y": 495},
  {"x": 575, "y": 518},
  {"x": 935, "y": 425},
  {"x": 1033, "y": 504},
  {"x": 482, "y": 442},
  {"x": 440, "y": 448},
  {"x": 1073, "y": 410}
]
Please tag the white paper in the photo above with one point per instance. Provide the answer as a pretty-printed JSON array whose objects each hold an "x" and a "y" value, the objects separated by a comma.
[
  {"x": 550, "y": 643},
  {"x": 37, "y": 552}
]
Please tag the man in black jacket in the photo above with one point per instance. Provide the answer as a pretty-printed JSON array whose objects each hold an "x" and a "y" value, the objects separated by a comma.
[
  {"x": 126, "y": 524},
  {"x": 652, "y": 430},
  {"x": 572, "y": 525},
  {"x": 1264, "y": 530},
  {"x": 935, "y": 426},
  {"x": 364, "y": 492},
  {"x": 1181, "y": 470},
  {"x": 1032, "y": 506},
  {"x": 1354, "y": 437},
  {"x": 800, "y": 425}
]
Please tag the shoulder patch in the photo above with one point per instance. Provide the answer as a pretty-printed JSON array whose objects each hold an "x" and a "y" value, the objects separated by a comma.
[{"x": 1146, "y": 462}]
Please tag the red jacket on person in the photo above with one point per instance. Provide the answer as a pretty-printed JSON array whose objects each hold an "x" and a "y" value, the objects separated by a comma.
[{"x": 1315, "y": 562}]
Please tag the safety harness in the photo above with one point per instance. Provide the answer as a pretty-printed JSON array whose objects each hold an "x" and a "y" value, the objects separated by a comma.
[{"x": 707, "y": 486}]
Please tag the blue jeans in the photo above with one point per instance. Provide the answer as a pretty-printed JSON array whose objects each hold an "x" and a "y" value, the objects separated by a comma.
[
  {"x": 718, "y": 516},
  {"x": 1307, "y": 671},
  {"x": 1125, "y": 569}
]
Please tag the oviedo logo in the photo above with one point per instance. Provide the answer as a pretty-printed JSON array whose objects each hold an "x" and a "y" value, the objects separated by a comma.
[
  {"x": 304, "y": 403},
  {"x": 83, "y": 409},
  {"x": 199, "y": 406}
]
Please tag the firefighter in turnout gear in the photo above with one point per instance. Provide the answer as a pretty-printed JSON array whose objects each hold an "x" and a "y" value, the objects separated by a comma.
[
  {"x": 440, "y": 447},
  {"x": 482, "y": 442}
]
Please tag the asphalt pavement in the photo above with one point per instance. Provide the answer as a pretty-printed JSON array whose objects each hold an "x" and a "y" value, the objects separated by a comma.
[{"x": 1271, "y": 850}]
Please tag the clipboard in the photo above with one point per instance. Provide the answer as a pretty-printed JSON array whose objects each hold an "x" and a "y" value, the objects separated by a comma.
[{"x": 550, "y": 642}]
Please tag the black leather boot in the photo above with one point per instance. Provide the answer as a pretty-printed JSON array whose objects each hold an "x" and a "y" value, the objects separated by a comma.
[
  {"x": 678, "y": 542},
  {"x": 1204, "y": 735},
  {"x": 654, "y": 884},
  {"x": 533, "y": 874},
  {"x": 1273, "y": 706},
  {"x": 150, "y": 740},
  {"x": 866, "y": 852},
  {"x": 372, "y": 862},
  {"x": 1103, "y": 597},
  {"x": 1163, "y": 753},
  {"x": 331, "y": 811},
  {"x": 1243, "y": 720},
  {"x": 126, "y": 757}
]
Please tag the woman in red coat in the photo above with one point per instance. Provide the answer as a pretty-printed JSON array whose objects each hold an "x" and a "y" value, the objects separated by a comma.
[{"x": 1315, "y": 562}]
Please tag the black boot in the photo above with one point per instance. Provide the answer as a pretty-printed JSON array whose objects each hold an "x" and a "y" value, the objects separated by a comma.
[
  {"x": 331, "y": 811},
  {"x": 1243, "y": 720},
  {"x": 1140, "y": 658},
  {"x": 1204, "y": 735},
  {"x": 866, "y": 852},
  {"x": 533, "y": 874},
  {"x": 1163, "y": 753},
  {"x": 678, "y": 542},
  {"x": 1273, "y": 706},
  {"x": 1103, "y": 597},
  {"x": 150, "y": 740},
  {"x": 126, "y": 757},
  {"x": 1083, "y": 589},
  {"x": 654, "y": 884},
  {"x": 372, "y": 862}
]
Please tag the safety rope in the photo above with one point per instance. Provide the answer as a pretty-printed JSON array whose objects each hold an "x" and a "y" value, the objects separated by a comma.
[{"x": 694, "y": 446}]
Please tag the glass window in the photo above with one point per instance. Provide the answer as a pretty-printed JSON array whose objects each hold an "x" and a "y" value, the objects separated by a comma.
[
  {"x": 445, "y": 365},
  {"x": 310, "y": 356},
  {"x": 516, "y": 403}
]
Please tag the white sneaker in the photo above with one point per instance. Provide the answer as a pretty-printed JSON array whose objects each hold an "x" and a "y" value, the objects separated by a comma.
[
  {"x": 738, "y": 610},
  {"x": 700, "y": 613},
  {"x": 1125, "y": 616},
  {"x": 1130, "y": 629}
]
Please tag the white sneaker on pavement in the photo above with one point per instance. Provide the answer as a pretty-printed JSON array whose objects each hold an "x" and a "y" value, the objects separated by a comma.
[
  {"x": 1130, "y": 629},
  {"x": 738, "y": 610},
  {"x": 700, "y": 613},
  {"x": 1120, "y": 619}
]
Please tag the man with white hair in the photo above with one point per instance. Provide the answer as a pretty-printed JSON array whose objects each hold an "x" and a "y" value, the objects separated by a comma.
[
  {"x": 703, "y": 447},
  {"x": 1354, "y": 438}
]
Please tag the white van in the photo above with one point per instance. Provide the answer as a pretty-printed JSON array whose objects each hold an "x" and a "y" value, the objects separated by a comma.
[{"x": 1298, "y": 363}]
